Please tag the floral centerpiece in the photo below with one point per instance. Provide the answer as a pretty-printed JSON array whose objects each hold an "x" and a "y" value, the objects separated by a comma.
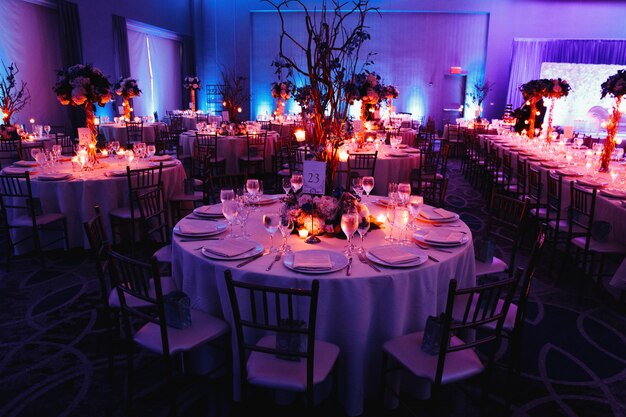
[
  {"x": 535, "y": 90},
  {"x": 13, "y": 97},
  {"x": 127, "y": 88},
  {"x": 614, "y": 86},
  {"x": 192, "y": 83},
  {"x": 281, "y": 91},
  {"x": 232, "y": 129},
  {"x": 391, "y": 93},
  {"x": 84, "y": 86},
  {"x": 9, "y": 132}
]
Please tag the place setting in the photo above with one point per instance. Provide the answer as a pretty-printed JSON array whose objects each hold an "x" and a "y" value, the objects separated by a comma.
[
  {"x": 315, "y": 261},
  {"x": 396, "y": 256},
  {"x": 231, "y": 249},
  {"x": 431, "y": 214},
  {"x": 197, "y": 229},
  {"x": 441, "y": 237}
]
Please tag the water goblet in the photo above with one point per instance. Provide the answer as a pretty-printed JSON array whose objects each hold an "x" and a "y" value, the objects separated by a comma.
[
  {"x": 392, "y": 192},
  {"x": 130, "y": 156},
  {"x": 243, "y": 214},
  {"x": 416, "y": 202},
  {"x": 46, "y": 129},
  {"x": 349, "y": 225},
  {"x": 368, "y": 185},
  {"x": 401, "y": 219},
  {"x": 270, "y": 223},
  {"x": 34, "y": 152},
  {"x": 364, "y": 224},
  {"x": 115, "y": 145},
  {"x": 150, "y": 151},
  {"x": 227, "y": 194},
  {"x": 404, "y": 191},
  {"x": 614, "y": 174},
  {"x": 286, "y": 227},
  {"x": 286, "y": 183},
  {"x": 296, "y": 182},
  {"x": 390, "y": 215},
  {"x": 230, "y": 211},
  {"x": 357, "y": 186}
]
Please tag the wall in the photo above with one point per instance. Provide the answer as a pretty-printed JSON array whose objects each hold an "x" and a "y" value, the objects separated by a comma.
[{"x": 224, "y": 29}]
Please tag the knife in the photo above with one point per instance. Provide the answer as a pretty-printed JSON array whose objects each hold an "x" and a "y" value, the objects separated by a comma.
[
  {"x": 433, "y": 258},
  {"x": 247, "y": 261}
]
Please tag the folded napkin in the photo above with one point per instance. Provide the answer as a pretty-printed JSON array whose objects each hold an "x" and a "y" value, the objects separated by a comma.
[
  {"x": 161, "y": 157},
  {"x": 230, "y": 247},
  {"x": 397, "y": 256},
  {"x": 312, "y": 261},
  {"x": 444, "y": 236},
  {"x": 437, "y": 214},
  {"x": 197, "y": 227},
  {"x": 54, "y": 176},
  {"x": 26, "y": 163},
  {"x": 214, "y": 210}
]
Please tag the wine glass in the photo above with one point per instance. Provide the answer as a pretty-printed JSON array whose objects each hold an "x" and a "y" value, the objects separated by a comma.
[
  {"x": 614, "y": 174},
  {"x": 115, "y": 145},
  {"x": 349, "y": 225},
  {"x": 390, "y": 215},
  {"x": 46, "y": 129},
  {"x": 392, "y": 192},
  {"x": 34, "y": 152},
  {"x": 364, "y": 224},
  {"x": 404, "y": 191},
  {"x": 286, "y": 227},
  {"x": 227, "y": 194},
  {"x": 270, "y": 223},
  {"x": 243, "y": 214},
  {"x": 368, "y": 185},
  {"x": 286, "y": 185},
  {"x": 130, "y": 155},
  {"x": 416, "y": 202},
  {"x": 296, "y": 182},
  {"x": 579, "y": 142},
  {"x": 401, "y": 219},
  {"x": 150, "y": 151},
  {"x": 230, "y": 210},
  {"x": 357, "y": 185}
]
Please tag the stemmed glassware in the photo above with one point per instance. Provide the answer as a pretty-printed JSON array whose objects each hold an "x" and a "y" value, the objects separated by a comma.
[
  {"x": 243, "y": 213},
  {"x": 230, "y": 211},
  {"x": 46, "y": 129},
  {"x": 252, "y": 187},
  {"x": 364, "y": 224},
  {"x": 115, "y": 145},
  {"x": 391, "y": 216},
  {"x": 286, "y": 183},
  {"x": 614, "y": 174},
  {"x": 227, "y": 194},
  {"x": 34, "y": 152},
  {"x": 404, "y": 191},
  {"x": 296, "y": 182},
  {"x": 357, "y": 186},
  {"x": 349, "y": 225},
  {"x": 286, "y": 227},
  {"x": 368, "y": 185},
  {"x": 270, "y": 223},
  {"x": 401, "y": 220},
  {"x": 150, "y": 151}
]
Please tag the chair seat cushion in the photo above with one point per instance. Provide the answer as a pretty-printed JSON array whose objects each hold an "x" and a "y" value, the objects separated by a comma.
[
  {"x": 167, "y": 285},
  {"x": 610, "y": 246},
  {"x": 203, "y": 329},
  {"x": 272, "y": 372},
  {"x": 459, "y": 365},
  {"x": 495, "y": 267},
  {"x": 42, "y": 220},
  {"x": 164, "y": 254},
  {"x": 124, "y": 213}
]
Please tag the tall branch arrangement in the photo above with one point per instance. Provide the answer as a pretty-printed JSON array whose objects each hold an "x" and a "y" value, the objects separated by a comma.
[
  {"x": 13, "y": 96},
  {"x": 614, "y": 86},
  {"x": 233, "y": 93},
  {"x": 330, "y": 46}
]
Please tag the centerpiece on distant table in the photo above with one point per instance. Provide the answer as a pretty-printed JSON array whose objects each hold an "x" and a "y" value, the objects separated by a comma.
[
  {"x": 535, "y": 90},
  {"x": 192, "y": 83},
  {"x": 232, "y": 129},
  {"x": 13, "y": 97},
  {"x": 84, "y": 86},
  {"x": 614, "y": 86},
  {"x": 281, "y": 91},
  {"x": 127, "y": 88}
]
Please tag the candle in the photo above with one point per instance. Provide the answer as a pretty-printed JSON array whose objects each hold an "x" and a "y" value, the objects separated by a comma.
[
  {"x": 303, "y": 233},
  {"x": 96, "y": 121},
  {"x": 381, "y": 218},
  {"x": 343, "y": 156},
  {"x": 300, "y": 135},
  {"x": 104, "y": 152},
  {"x": 32, "y": 120}
]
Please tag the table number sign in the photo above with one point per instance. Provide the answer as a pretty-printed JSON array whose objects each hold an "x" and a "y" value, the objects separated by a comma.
[
  {"x": 314, "y": 177},
  {"x": 84, "y": 136}
]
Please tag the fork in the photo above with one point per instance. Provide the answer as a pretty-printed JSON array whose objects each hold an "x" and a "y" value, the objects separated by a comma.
[
  {"x": 276, "y": 259},
  {"x": 364, "y": 260},
  {"x": 428, "y": 247}
]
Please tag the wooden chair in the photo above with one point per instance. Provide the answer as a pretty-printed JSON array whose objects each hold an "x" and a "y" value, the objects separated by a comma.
[
  {"x": 9, "y": 151},
  {"x": 428, "y": 170},
  {"x": 557, "y": 225},
  {"x": 167, "y": 143},
  {"x": 205, "y": 158},
  {"x": 24, "y": 150},
  {"x": 67, "y": 144},
  {"x": 136, "y": 280},
  {"x": 216, "y": 183},
  {"x": 275, "y": 349},
  {"x": 360, "y": 165},
  {"x": 21, "y": 211},
  {"x": 434, "y": 192},
  {"x": 454, "y": 138},
  {"x": 134, "y": 133},
  {"x": 254, "y": 160},
  {"x": 176, "y": 124},
  {"x": 457, "y": 359}
]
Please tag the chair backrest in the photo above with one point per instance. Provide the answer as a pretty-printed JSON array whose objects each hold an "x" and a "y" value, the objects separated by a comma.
[
  {"x": 176, "y": 123},
  {"x": 134, "y": 131},
  {"x": 67, "y": 144},
  {"x": 9, "y": 151},
  {"x": 204, "y": 154},
  {"x": 24, "y": 150},
  {"x": 153, "y": 210},
  {"x": 143, "y": 181},
  {"x": 506, "y": 213},
  {"x": 16, "y": 196},
  {"x": 434, "y": 192},
  {"x": 256, "y": 144},
  {"x": 216, "y": 183},
  {"x": 100, "y": 248},
  {"x": 284, "y": 317},
  {"x": 522, "y": 174},
  {"x": 452, "y": 132},
  {"x": 479, "y": 308},
  {"x": 361, "y": 165},
  {"x": 166, "y": 141},
  {"x": 535, "y": 188},
  {"x": 581, "y": 210}
]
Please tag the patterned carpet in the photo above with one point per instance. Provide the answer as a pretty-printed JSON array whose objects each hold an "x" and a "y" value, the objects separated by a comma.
[{"x": 53, "y": 358}]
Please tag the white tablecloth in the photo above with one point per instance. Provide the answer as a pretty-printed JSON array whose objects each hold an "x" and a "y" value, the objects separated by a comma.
[
  {"x": 231, "y": 148},
  {"x": 358, "y": 313},
  {"x": 189, "y": 122},
  {"x": 113, "y": 131},
  {"x": 77, "y": 196}
]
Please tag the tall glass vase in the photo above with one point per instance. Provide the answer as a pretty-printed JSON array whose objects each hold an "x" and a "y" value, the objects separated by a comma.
[
  {"x": 192, "y": 103},
  {"x": 611, "y": 131},
  {"x": 91, "y": 125}
]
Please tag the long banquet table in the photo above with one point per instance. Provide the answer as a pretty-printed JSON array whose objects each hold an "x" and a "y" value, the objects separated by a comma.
[
  {"x": 106, "y": 185},
  {"x": 358, "y": 312}
]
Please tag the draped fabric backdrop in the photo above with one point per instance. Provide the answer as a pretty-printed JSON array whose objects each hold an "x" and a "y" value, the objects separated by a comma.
[
  {"x": 529, "y": 54},
  {"x": 72, "y": 54},
  {"x": 156, "y": 64},
  {"x": 121, "y": 56},
  {"x": 414, "y": 51},
  {"x": 23, "y": 27}
]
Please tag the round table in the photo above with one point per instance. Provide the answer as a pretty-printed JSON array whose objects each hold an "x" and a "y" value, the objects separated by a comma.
[
  {"x": 117, "y": 132},
  {"x": 358, "y": 312},
  {"x": 106, "y": 186}
]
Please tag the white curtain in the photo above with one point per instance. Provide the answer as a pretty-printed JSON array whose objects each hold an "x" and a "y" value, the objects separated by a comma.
[
  {"x": 30, "y": 38},
  {"x": 155, "y": 63}
]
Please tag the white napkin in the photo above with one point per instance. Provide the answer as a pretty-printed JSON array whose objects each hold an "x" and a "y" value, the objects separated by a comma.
[
  {"x": 25, "y": 163},
  {"x": 396, "y": 256},
  {"x": 54, "y": 176},
  {"x": 198, "y": 227},
  {"x": 230, "y": 247},
  {"x": 161, "y": 157},
  {"x": 214, "y": 210},
  {"x": 312, "y": 261},
  {"x": 437, "y": 214},
  {"x": 444, "y": 236}
]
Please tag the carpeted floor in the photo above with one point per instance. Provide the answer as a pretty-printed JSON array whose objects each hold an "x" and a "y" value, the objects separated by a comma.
[{"x": 53, "y": 358}]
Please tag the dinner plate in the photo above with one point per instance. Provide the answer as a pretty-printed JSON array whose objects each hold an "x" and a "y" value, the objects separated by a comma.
[
  {"x": 536, "y": 158},
  {"x": 613, "y": 193},
  {"x": 157, "y": 158},
  {"x": 426, "y": 209},
  {"x": 552, "y": 165},
  {"x": 209, "y": 228},
  {"x": 258, "y": 248},
  {"x": 117, "y": 173},
  {"x": 214, "y": 210},
  {"x": 382, "y": 202},
  {"x": 19, "y": 170},
  {"x": 422, "y": 256},
  {"x": 397, "y": 154},
  {"x": 412, "y": 150},
  {"x": 26, "y": 163},
  {"x": 591, "y": 183},
  {"x": 58, "y": 176},
  {"x": 169, "y": 163},
  {"x": 337, "y": 259},
  {"x": 569, "y": 173},
  {"x": 421, "y": 236},
  {"x": 402, "y": 146}
]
